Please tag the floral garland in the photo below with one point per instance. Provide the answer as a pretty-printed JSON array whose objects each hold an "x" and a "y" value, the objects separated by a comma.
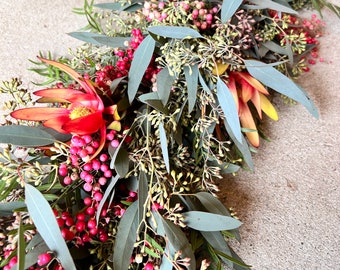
[{"x": 117, "y": 169}]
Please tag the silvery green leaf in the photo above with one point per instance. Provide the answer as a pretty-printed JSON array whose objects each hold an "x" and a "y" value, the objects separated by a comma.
[
  {"x": 142, "y": 194},
  {"x": 44, "y": 220},
  {"x": 204, "y": 221},
  {"x": 279, "y": 49},
  {"x": 191, "y": 77},
  {"x": 21, "y": 247},
  {"x": 139, "y": 64},
  {"x": 274, "y": 79},
  {"x": 229, "y": 8},
  {"x": 106, "y": 195},
  {"x": 25, "y": 136},
  {"x": 164, "y": 146},
  {"x": 126, "y": 237},
  {"x": 87, "y": 37},
  {"x": 242, "y": 147},
  {"x": 178, "y": 241},
  {"x": 217, "y": 241},
  {"x": 114, "y": 42},
  {"x": 7, "y": 208},
  {"x": 154, "y": 101},
  {"x": 121, "y": 164},
  {"x": 164, "y": 84},
  {"x": 227, "y": 103},
  {"x": 211, "y": 203},
  {"x": 268, "y": 4},
  {"x": 177, "y": 32},
  {"x": 203, "y": 84}
]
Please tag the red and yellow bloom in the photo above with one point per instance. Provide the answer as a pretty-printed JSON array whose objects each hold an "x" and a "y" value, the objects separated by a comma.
[
  {"x": 245, "y": 88},
  {"x": 83, "y": 113}
]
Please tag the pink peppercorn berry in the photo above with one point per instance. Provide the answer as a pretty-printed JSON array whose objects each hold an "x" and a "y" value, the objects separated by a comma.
[
  {"x": 148, "y": 266},
  {"x": 44, "y": 258}
]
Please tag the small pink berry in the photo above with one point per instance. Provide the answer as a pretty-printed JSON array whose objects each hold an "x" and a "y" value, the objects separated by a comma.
[
  {"x": 87, "y": 187},
  {"x": 102, "y": 181},
  {"x": 115, "y": 143},
  {"x": 80, "y": 226},
  {"x": 148, "y": 266},
  {"x": 67, "y": 180},
  {"x": 87, "y": 201},
  {"x": 44, "y": 259},
  {"x": 98, "y": 196}
]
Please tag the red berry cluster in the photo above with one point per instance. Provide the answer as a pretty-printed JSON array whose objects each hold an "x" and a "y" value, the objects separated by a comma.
[
  {"x": 310, "y": 29},
  {"x": 93, "y": 172},
  {"x": 202, "y": 15},
  {"x": 83, "y": 226},
  {"x": 43, "y": 260},
  {"x": 203, "y": 18},
  {"x": 13, "y": 261},
  {"x": 107, "y": 74}
]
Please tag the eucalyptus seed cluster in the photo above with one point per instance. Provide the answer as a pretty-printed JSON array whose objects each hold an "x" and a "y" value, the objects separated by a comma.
[
  {"x": 15, "y": 171},
  {"x": 19, "y": 96},
  {"x": 297, "y": 42},
  {"x": 269, "y": 31},
  {"x": 176, "y": 54},
  {"x": 79, "y": 58},
  {"x": 298, "y": 4}
]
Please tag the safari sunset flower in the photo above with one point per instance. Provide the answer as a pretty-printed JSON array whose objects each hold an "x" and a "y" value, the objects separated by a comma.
[
  {"x": 83, "y": 115},
  {"x": 245, "y": 88}
]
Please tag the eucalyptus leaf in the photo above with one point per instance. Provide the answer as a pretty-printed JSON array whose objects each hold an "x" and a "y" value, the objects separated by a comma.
[
  {"x": 152, "y": 99},
  {"x": 86, "y": 37},
  {"x": 7, "y": 208},
  {"x": 42, "y": 215},
  {"x": 204, "y": 221},
  {"x": 21, "y": 247},
  {"x": 177, "y": 32},
  {"x": 121, "y": 163},
  {"x": 214, "y": 205},
  {"x": 191, "y": 77},
  {"x": 279, "y": 49},
  {"x": 25, "y": 136},
  {"x": 217, "y": 241},
  {"x": 164, "y": 146},
  {"x": 274, "y": 79},
  {"x": 139, "y": 64},
  {"x": 204, "y": 84},
  {"x": 114, "y": 84},
  {"x": 229, "y": 8},
  {"x": 142, "y": 194},
  {"x": 211, "y": 203},
  {"x": 61, "y": 137},
  {"x": 126, "y": 237},
  {"x": 268, "y": 4},
  {"x": 178, "y": 241},
  {"x": 114, "y": 42},
  {"x": 165, "y": 264},
  {"x": 164, "y": 84},
  {"x": 227, "y": 103},
  {"x": 132, "y": 6},
  {"x": 106, "y": 194},
  {"x": 34, "y": 248},
  {"x": 243, "y": 147}
]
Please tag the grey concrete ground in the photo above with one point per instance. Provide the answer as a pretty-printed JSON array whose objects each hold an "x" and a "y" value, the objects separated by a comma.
[{"x": 290, "y": 204}]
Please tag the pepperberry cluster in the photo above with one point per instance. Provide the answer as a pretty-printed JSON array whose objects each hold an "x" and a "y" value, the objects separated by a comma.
[
  {"x": 197, "y": 13},
  {"x": 105, "y": 75}
]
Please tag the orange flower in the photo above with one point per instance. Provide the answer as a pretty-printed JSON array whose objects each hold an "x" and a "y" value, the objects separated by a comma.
[
  {"x": 82, "y": 116},
  {"x": 245, "y": 88}
]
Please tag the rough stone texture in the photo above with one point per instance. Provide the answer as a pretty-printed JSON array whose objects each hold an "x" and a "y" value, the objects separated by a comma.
[{"x": 290, "y": 204}]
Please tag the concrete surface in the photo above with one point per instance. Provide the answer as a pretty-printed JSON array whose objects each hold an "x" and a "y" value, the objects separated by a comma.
[{"x": 290, "y": 204}]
